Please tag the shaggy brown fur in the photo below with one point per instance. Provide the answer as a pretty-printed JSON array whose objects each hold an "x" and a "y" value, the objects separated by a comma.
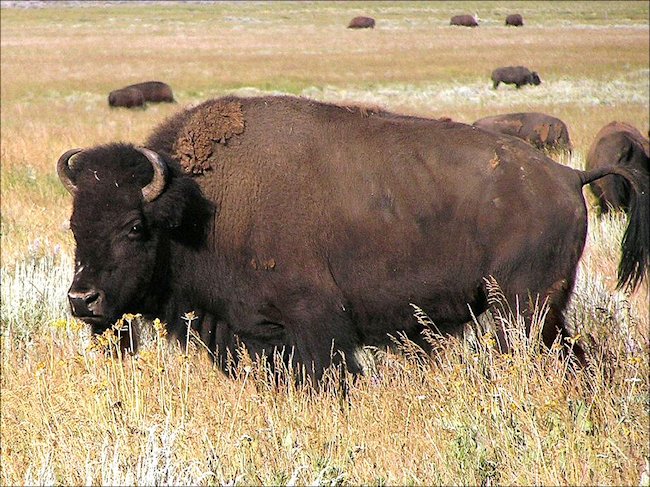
[
  {"x": 211, "y": 123},
  {"x": 464, "y": 21},
  {"x": 515, "y": 20},
  {"x": 126, "y": 97},
  {"x": 317, "y": 226},
  {"x": 362, "y": 23},
  {"x": 617, "y": 143}
]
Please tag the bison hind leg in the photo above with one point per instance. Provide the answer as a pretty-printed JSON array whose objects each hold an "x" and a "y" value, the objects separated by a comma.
[
  {"x": 554, "y": 328},
  {"x": 542, "y": 313}
]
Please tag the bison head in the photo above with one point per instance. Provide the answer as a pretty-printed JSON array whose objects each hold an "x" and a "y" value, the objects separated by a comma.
[
  {"x": 129, "y": 204},
  {"x": 534, "y": 78}
]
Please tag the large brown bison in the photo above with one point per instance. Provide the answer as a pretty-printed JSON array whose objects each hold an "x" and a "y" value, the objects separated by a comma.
[
  {"x": 515, "y": 20},
  {"x": 362, "y": 23},
  {"x": 617, "y": 143},
  {"x": 514, "y": 75},
  {"x": 307, "y": 228},
  {"x": 538, "y": 129},
  {"x": 126, "y": 97},
  {"x": 464, "y": 20}
]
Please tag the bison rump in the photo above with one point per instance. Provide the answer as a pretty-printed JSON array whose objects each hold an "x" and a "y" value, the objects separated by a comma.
[
  {"x": 362, "y": 23},
  {"x": 616, "y": 143},
  {"x": 515, "y": 20},
  {"x": 126, "y": 97},
  {"x": 155, "y": 91}
]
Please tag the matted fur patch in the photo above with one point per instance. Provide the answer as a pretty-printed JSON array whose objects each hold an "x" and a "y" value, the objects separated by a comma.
[{"x": 214, "y": 122}]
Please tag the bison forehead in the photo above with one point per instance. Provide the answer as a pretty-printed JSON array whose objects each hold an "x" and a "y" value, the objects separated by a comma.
[{"x": 212, "y": 122}]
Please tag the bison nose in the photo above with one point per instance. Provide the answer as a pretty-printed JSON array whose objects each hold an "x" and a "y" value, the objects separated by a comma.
[{"x": 86, "y": 303}]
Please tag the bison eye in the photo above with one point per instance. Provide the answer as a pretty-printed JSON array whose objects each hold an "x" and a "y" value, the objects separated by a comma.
[{"x": 136, "y": 232}]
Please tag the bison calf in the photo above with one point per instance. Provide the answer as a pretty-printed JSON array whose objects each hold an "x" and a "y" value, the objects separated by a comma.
[
  {"x": 515, "y": 20},
  {"x": 464, "y": 20},
  {"x": 514, "y": 75},
  {"x": 621, "y": 144},
  {"x": 126, "y": 97},
  {"x": 362, "y": 23},
  {"x": 538, "y": 129}
]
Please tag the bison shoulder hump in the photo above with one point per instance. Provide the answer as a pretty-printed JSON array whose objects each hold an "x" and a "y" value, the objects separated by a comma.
[{"x": 211, "y": 123}]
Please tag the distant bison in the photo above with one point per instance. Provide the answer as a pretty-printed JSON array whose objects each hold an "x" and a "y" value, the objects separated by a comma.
[
  {"x": 515, "y": 20},
  {"x": 622, "y": 144},
  {"x": 464, "y": 20},
  {"x": 126, "y": 97},
  {"x": 538, "y": 129},
  {"x": 362, "y": 23},
  {"x": 514, "y": 75},
  {"x": 155, "y": 91}
]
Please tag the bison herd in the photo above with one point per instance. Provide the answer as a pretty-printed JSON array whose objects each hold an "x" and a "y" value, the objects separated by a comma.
[{"x": 305, "y": 229}]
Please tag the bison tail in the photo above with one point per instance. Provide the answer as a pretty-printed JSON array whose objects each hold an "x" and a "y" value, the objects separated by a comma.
[{"x": 635, "y": 247}]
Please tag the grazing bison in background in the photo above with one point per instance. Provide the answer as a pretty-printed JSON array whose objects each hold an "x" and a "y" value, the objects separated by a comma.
[
  {"x": 362, "y": 23},
  {"x": 155, "y": 91},
  {"x": 621, "y": 144},
  {"x": 515, "y": 20},
  {"x": 514, "y": 75},
  {"x": 149, "y": 91},
  {"x": 307, "y": 228},
  {"x": 538, "y": 129},
  {"x": 126, "y": 97},
  {"x": 464, "y": 20}
]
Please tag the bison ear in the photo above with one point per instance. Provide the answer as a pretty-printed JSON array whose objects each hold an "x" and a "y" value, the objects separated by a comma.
[{"x": 182, "y": 209}]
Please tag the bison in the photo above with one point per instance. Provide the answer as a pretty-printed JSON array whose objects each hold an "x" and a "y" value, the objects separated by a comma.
[
  {"x": 538, "y": 129},
  {"x": 514, "y": 75},
  {"x": 362, "y": 23},
  {"x": 515, "y": 20},
  {"x": 622, "y": 144},
  {"x": 464, "y": 20},
  {"x": 293, "y": 226},
  {"x": 126, "y": 97}
]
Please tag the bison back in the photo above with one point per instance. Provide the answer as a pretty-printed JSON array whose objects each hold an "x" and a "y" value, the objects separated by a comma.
[{"x": 302, "y": 206}]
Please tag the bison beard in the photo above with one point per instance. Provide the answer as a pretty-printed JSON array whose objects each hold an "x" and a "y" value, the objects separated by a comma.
[{"x": 317, "y": 225}]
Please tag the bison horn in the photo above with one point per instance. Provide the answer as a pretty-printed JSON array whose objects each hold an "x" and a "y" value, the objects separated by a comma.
[
  {"x": 152, "y": 190},
  {"x": 63, "y": 170}
]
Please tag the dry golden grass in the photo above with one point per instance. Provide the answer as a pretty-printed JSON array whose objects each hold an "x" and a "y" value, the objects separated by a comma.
[{"x": 72, "y": 415}]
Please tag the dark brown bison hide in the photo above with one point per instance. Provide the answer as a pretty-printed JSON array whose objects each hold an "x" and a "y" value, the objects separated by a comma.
[
  {"x": 464, "y": 20},
  {"x": 126, "y": 97},
  {"x": 362, "y": 23},
  {"x": 616, "y": 143},
  {"x": 515, "y": 20},
  {"x": 155, "y": 91},
  {"x": 538, "y": 129},
  {"x": 514, "y": 75},
  {"x": 309, "y": 228}
]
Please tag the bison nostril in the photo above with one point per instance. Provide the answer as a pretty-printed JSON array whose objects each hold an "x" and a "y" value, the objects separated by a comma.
[{"x": 85, "y": 303}]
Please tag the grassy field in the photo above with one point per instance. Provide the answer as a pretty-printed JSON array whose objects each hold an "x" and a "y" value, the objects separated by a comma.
[{"x": 72, "y": 414}]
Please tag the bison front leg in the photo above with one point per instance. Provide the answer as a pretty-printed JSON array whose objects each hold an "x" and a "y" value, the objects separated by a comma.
[{"x": 323, "y": 337}]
